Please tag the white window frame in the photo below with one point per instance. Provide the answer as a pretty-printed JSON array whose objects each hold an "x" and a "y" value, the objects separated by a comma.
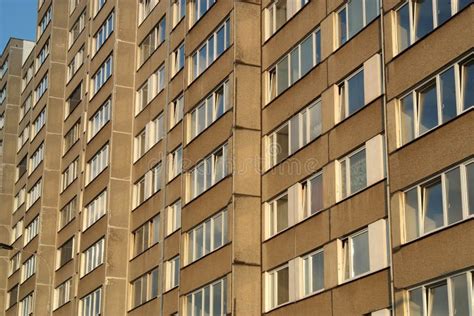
[
  {"x": 270, "y": 17},
  {"x": 98, "y": 163},
  {"x": 175, "y": 163},
  {"x": 172, "y": 273},
  {"x": 222, "y": 283},
  {"x": 28, "y": 268},
  {"x": 31, "y": 230},
  {"x": 103, "y": 33},
  {"x": 62, "y": 293},
  {"x": 89, "y": 303},
  {"x": 95, "y": 210},
  {"x": 93, "y": 257},
  {"x": 348, "y": 180},
  {"x": 101, "y": 76},
  {"x": 173, "y": 217},
  {"x": 99, "y": 119}
]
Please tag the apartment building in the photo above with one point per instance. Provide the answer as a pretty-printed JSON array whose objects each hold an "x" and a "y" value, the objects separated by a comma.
[{"x": 220, "y": 157}]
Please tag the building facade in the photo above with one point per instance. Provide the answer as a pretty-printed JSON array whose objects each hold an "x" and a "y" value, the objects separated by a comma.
[{"x": 203, "y": 157}]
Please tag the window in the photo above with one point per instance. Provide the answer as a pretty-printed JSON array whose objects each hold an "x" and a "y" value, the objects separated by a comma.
[
  {"x": 355, "y": 251},
  {"x": 100, "y": 118},
  {"x": 62, "y": 294},
  {"x": 14, "y": 263},
  {"x": 207, "y": 237},
  {"x": 91, "y": 305},
  {"x": 69, "y": 175},
  {"x": 176, "y": 111},
  {"x": 72, "y": 5},
  {"x": 12, "y": 297},
  {"x": 178, "y": 11},
  {"x": 104, "y": 32},
  {"x": 25, "y": 107},
  {"x": 351, "y": 95},
  {"x": 31, "y": 231},
  {"x": 279, "y": 214},
  {"x": 144, "y": 9},
  {"x": 68, "y": 213},
  {"x": 148, "y": 185},
  {"x": 26, "y": 306},
  {"x": 17, "y": 231},
  {"x": 353, "y": 173},
  {"x": 27, "y": 77},
  {"x": 21, "y": 168},
  {"x": 158, "y": 128},
  {"x": 71, "y": 137},
  {"x": 450, "y": 296},
  {"x": 19, "y": 199},
  {"x": 212, "y": 48},
  {"x": 145, "y": 288},
  {"x": 98, "y": 4},
  {"x": 150, "y": 89},
  {"x": 41, "y": 88},
  {"x": 172, "y": 273},
  {"x": 36, "y": 158},
  {"x": 98, "y": 163},
  {"x": 3, "y": 95},
  {"x": 73, "y": 100},
  {"x": 208, "y": 300},
  {"x": 415, "y": 18},
  {"x": 354, "y": 16},
  {"x": 95, "y": 210},
  {"x": 44, "y": 22},
  {"x": 146, "y": 235},
  {"x": 293, "y": 66},
  {"x": 101, "y": 76},
  {"x": 207, "y": 173},
  {"x": 437, "y": 101},
  {"x": 152, "y": 41},
  {"x": 75, "y": 63},
  {"x": 38, "y": 123},
  {"x": 312, "y": 195},
  {"x": 439, "y": 201},
  {"x": 199, "y": 8},
  {"x": 278, "y": 289},
  {"x": 175, "y": 163},
  {"x": 43, "y": 54},
  {"x": 28, "y": 268},
  {"x": 23, "y": 137},
  {"x": 300, "y": 130},
  {"x": 3, "y": 69},
  {"x": 177, "y": 59},
  {"x": 77, "y": 28},
  {"x": 280, "y": 11},
  {"x": 34, "y": 194},
  {"x": 92, "y": 257},
  {"x": 173, "y": 218},
  {"x": 209, "y": 110},
  {"x": 65, "y": 252}
]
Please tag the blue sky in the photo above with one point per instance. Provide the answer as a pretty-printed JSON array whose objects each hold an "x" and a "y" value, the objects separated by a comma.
[{"x": 17, "y": 19}]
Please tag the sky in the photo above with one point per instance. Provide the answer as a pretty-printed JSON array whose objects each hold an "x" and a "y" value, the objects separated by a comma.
[{"x": 17, "y": 19}]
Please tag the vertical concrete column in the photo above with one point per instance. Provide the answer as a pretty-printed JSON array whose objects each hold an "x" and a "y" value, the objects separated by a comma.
[
  {"x": 246, "y": 215},
  {"x": 121, "y": 150}
]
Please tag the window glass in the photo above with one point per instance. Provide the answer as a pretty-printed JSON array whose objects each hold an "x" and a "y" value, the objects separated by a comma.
[
  {"x": 342, "y": 27},
  {"x": 428, "y": 112},
  {"x": 307, "y": 55},
  {"x": 460, "y": 296},
  {"x": 360, "y": 254},
  {"x": 416, "y": 302},
  {"x": 407, "y": 119},
  {"x": 411, "y": 214},
  {"x": 282, "y": 213},
  {"x": 432, "y": 206},
  {"x": 282, "y": 75},
  {"x": 468, "y": 84},
  {"x": 470, "y": 187},
  {"x": 280, "y": 149},
  {"x": 295, "y": 62},
  {"x": 316, "y": 194},
  {"x": 454, "y": 198},
  {"x": 443, "y": 10},
  {"x": 358, "y": 171},
  {"x": 463, "y": 3},
  {"x": 371, "y": 10},
  {"x": 354, "y": 11},
  {"x": 356, "y": 92},
  {"x": 220, "y": 41},
  {"x": 438, "y": 300},
  {"x": 315, "y": 120},
  {"x": 283, "y": 293},
  {"x": 217, "y": 298},
  {"x": 422, "y": 17},
  {"x": 448, "y": 94}
]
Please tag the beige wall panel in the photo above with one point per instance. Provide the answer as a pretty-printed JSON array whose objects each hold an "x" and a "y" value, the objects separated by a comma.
[
  {"x": 149, "y": 308},
  {"x": 96, "y": 186},
  {"x": 211, "y": 267},
  {"x": 208, "y": 203},
  {"x": 147, "y": 210},
  {"x": 147, "y": 161},
  {"x": 174, "y": 190},
  {"x": 427, "y": 258},
  {"x": 117, "y": 239},
  {"x": 91, "y": 281},
  {"x": 314, "y": 305},
  {"x": 433, "y": 152},
  {"x": 277, "y": 251},
  {"x": 154, "y": 61},
  {"x": 119, "y": 203},
  {"x": 312, "y": 233},
  {"x": 246, "y": 97},
  {"x": 247, "y": 162},
  {"x": 144, "y": 262},
  {"x": 175, "y": 136},
  {"x": 171, "y": 247},
  {"x": 171, "y": 302},
  {"x": 155, "y": 107},
  {"x": 367, "y": 294},
  {"x": 93, "y": 233},
  {"x": 122, "y": 109},
  {"x": 354, "y": 53}
]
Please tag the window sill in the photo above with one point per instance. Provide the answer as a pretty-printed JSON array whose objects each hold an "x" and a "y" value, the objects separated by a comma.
[
  {"x": 193, "y": 80},
  {"x": 308, "y": 296},
  {"x": 144, "y": 303},
  {"x": 64, "y": 264},
  {"x": 137, "y": 113},
  {"x": 349, "y": 39},
  {"x": 359, "y": 191},
  {"x": 97, "y": 133},
  {"x": 146, "y": 200},
  {"x": 229, "y": 175},
  {"x": 144, "y": 251},
  {"x": 207, "y": 254},
  {"x": 90, "y": 272},
  {"x": 63, "y": 304},
  {"x": 142, "y": 64},
  {"x": 361, "y": 276},
  {"x": 146, "y": 152},
  {"x": 67, "y": 224},
  {"x": 96, "y": 176},
  {"x": 209, "y": 126},
  {"x": 103, "y": 85},
  {"x": 87, "y": 228}
]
